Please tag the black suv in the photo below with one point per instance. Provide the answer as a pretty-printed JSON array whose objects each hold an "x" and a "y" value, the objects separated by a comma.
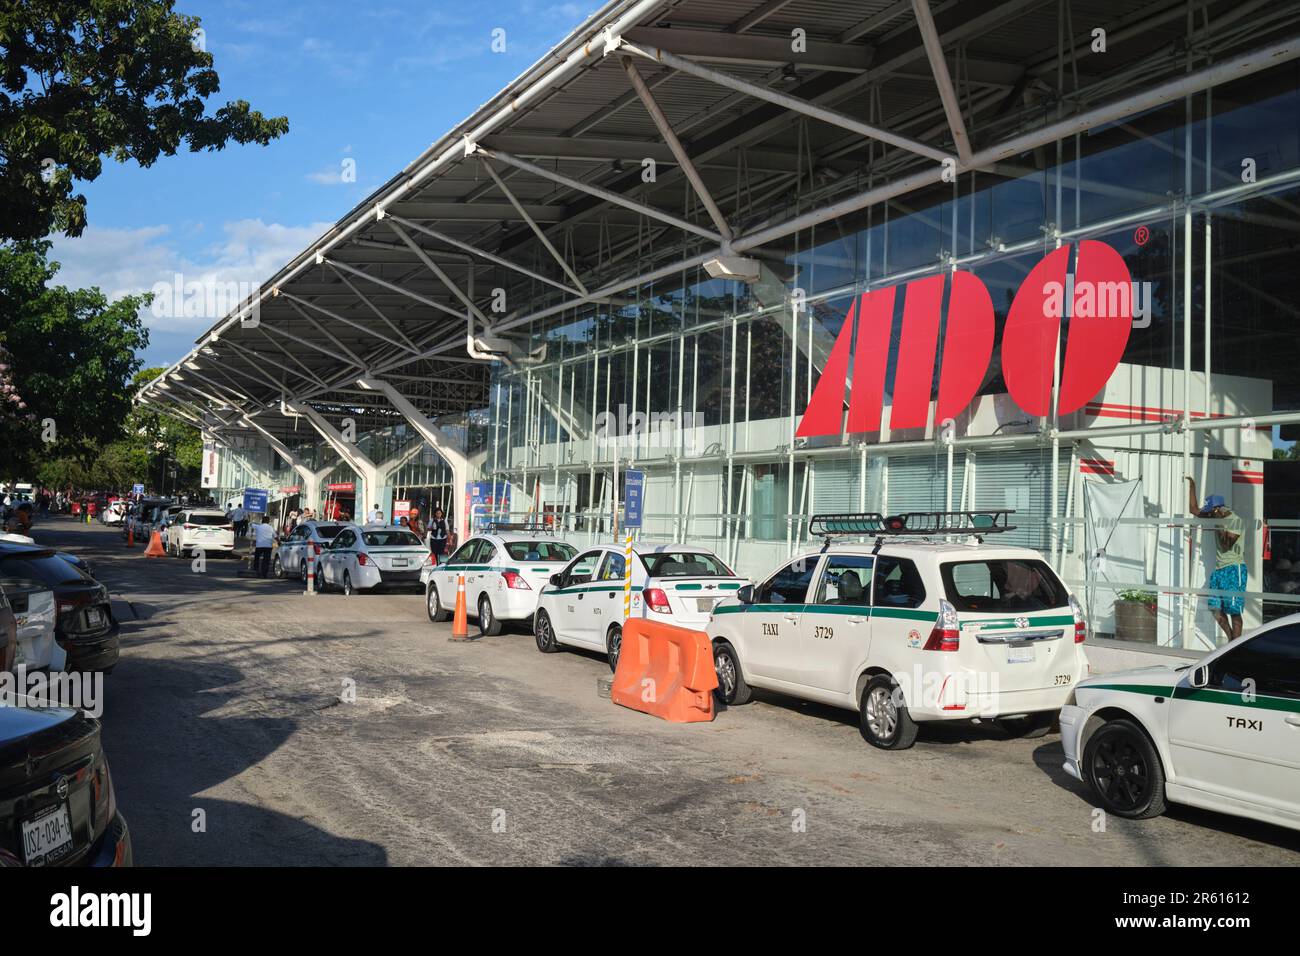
[{"x": 84, "y": 627}]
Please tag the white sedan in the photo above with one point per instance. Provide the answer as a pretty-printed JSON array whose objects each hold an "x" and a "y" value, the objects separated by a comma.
[
  {"x": 1222, "y": 733},
  {"x": 364, "y": 557},
  {"x": 582, "y": 605},
  {"x": 498, "y": 566}
]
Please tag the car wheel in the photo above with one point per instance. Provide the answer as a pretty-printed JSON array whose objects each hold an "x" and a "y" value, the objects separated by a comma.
[
  {"x": 614, "y": 646},
  {"x": 487, "y": 621},
  {"x": 1030, "y": 728},
  {"x": 544, "y": 633},
  {"x": 302, "y": 572},
  {"x": 277, "y": 568},
  {"x": 347, "y": 584},
  {"x": 1124, "y": 771},
  {"x": 732, "y": 689},
  {"x": 882, "y": 715},
  {"x": 433, "y": 605}
]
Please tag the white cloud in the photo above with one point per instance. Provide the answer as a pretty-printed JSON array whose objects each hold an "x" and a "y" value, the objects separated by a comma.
[{"x": 133, "y": 261}]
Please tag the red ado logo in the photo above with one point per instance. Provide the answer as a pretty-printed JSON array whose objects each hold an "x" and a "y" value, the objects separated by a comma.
[{"x": 1096, "y": 285}]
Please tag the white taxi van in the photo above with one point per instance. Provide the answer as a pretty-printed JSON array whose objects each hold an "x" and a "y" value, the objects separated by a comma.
[
  {"x": 505, "y": 568},
  {"x": 920, "y": 621},
  {"x": 1222, "y": 733},
  {"x": 582, "y": 604}
]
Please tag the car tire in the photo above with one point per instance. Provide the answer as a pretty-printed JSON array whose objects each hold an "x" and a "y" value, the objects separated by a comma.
[
  {"x": 1027, "y": 728},
  {"x": 492, "y": 627},
  {"x": 544, "y": 633},
  {"x": 614, "y": 646},
  {"x": 302, "y": 572},
  {"x": 348, "y": 590},
  {"x": 433, "y": 605},
  {"x": 1124, "y": 771},
  {"x": 277, "y": 568},
  {"x": 732, "y": 689},
  {"x": 882, "y": 715}
]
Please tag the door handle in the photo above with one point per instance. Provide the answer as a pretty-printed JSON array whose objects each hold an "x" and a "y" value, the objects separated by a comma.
[
  {"x": 856, "y": 620},
  {"x": 1293, "y": 720},
  {"x": 792, "y": 618}
]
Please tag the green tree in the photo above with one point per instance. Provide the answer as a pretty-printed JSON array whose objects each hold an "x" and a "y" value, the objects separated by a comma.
[
  {"x": 85, "y": 79},
  {"x": 71, "y": 357}
]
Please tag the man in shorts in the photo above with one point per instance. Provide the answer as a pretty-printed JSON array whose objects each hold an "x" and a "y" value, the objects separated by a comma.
[{"x": 1229, "y": 561}]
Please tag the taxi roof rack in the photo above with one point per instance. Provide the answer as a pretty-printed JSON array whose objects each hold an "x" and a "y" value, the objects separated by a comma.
[
  {"x": 921, "y": 524},
  {"x": 528, "y": 527}
]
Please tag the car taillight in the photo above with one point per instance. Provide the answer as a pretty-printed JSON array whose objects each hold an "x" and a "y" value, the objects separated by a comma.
[
  {"x": 1080, "y": 625},
  {"x": 315, "y": 547},
  {"x": 362, "y": 559},
  {"x": 516, "y": 580},
  {"x": 657, "y": 601},
  {"x": 189, "y": 527},
  {"x": 946, "y": 634}
]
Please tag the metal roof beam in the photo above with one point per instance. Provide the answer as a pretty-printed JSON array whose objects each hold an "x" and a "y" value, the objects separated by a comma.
[
  {"x": 714, "y": 47},
  {"x": 537, "y": 230},
  {"x": 679, "y": 151},
  {"x": 599, "y": 193},
  {"x": 942, "y": 78}
]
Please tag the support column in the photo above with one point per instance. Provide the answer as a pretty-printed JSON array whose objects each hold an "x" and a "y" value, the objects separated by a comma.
[
  {"x": 310, "y": 479},
  {"x": 437, "y": 439},
  {"x": 348, "y": 451}
]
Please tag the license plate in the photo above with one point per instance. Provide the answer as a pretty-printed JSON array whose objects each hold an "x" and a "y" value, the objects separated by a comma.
[
  {"x": 706, "y": 604},
  {"x": 47, "y": 837},
  {"x": 401, "y": 562},
  {"x": 94, "y": 617},
  {"x": 1021, "y": 655}
]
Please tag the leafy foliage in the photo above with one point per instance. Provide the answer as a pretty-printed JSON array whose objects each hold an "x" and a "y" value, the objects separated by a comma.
[
  {"x": 84, "y": 79},
  {"x": 72, "y": 355}
]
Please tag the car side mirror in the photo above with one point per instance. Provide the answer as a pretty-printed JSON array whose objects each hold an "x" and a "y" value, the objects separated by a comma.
[
  {"x": 1200, "y": 676},
  {"x": 746, "y": 594},
  {"x": 557, "y": 580}
]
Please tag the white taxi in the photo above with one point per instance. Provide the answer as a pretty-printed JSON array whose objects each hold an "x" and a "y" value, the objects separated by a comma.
[
  {"x": 361, "y": 557},
  {"x": 504, "y": 575},
  {"x": 582, "y": 605},
  {"x": 33, "y": 605},
  {"x": 906, "y": 631},
  {"x": 1222, "y": 733},
  {"x": 201, "y": 529}
]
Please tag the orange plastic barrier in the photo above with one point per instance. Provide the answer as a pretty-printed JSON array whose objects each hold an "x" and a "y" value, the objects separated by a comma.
[
  {"x": 665, "y": 670},
  {"x": 155, "y": 549}
]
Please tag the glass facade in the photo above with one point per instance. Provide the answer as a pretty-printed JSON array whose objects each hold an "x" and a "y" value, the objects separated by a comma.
[{"x": 702, "y": 383}]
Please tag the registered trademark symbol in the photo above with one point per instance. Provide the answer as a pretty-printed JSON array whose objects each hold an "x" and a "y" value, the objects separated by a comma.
[{"x": 1142, "y": 236}]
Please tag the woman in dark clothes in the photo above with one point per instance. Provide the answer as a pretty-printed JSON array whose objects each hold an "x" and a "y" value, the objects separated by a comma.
[{"x": 438, "y": 535}]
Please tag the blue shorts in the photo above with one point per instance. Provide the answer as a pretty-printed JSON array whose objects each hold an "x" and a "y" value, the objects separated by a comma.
[{"x": 1231, "y": 578}]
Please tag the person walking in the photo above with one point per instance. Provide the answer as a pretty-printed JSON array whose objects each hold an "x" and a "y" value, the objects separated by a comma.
[
  {"x": 1229, "y": 561},
  {"x": 415, "y": 523},
  {"x": 438, "y": 534},
  {"x": 263, "y": 542},
  {"x": 375, "y": 516}
]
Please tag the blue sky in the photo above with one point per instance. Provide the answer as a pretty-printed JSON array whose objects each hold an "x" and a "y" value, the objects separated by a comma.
[{"x": 376, "y": 84}]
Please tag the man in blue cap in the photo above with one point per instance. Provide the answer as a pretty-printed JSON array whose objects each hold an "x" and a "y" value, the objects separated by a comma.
[{"x": 1229, "y": 563}]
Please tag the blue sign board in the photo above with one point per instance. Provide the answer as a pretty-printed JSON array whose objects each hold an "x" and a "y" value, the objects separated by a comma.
[
  {"x": 486, "y": 501},
  {"x": 137, "y": 490},
  {"x": 633, "y": 498},
  {"x": 255, "y": 501}
]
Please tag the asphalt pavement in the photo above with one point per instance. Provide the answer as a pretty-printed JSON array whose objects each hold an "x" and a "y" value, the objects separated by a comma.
[{"x": 248, "y": 723}]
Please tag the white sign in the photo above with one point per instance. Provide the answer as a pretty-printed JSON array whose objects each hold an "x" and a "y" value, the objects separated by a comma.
[{"x": 208, "y": 476}]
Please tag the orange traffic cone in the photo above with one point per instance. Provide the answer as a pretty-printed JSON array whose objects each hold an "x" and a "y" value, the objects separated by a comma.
[
  {"x": 460, "y": 621},
  {"x": 130, "y": 536},
  {"x": 155, "y": 549}
]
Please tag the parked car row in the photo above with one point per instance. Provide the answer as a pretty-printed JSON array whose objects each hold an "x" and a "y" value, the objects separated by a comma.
[
  {"x": 57, "y": 802},
  {"x": 917, "y": 624}
]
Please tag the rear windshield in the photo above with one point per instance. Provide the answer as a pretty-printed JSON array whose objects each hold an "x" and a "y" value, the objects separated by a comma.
[
  {"x": 328, "y": 531},
  {"x": 48, "y": 570},
  {"x": 207, "y": 519},
  {"x": 540, "y": 551},
  {"x": 684, "y": 564},
  {"x": 397, "y": 538},
  {"x": 1003, "y": 585}
]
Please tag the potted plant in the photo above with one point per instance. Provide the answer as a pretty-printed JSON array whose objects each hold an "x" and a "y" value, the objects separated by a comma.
[{"x": 1135, "y": 616}]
